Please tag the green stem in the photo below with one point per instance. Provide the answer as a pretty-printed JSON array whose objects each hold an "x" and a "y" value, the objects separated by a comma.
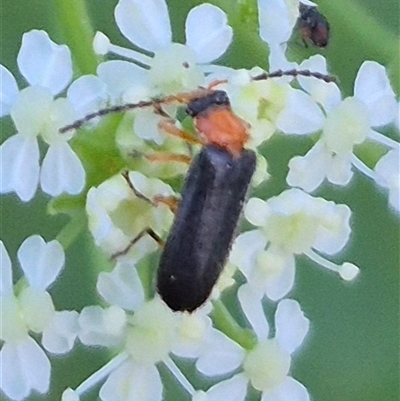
[
  {"x": 78, "y": 33},
  {"x": 72, "y": 230},
  {"x": 224, "y": 322}
]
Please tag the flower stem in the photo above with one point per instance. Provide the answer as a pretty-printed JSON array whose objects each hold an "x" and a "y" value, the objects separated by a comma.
[
  {"x": 78, "y": 33},
  {"x": 72, "y": 230},
  {"x": 224, "y": 322}
]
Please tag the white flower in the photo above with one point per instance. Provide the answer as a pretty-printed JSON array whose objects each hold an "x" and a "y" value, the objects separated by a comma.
[
  {"x": 144, "y": 333},
  {"x": 48, "y": 69},
  {"x": 117, "y": 216},
  {"x": 266, "y": 366},
  {"x": 348, "y": 123},
  {"x": 174, "y": 66},
  {"x": 216, "y": 354},
  {"x": 25, "y": 366},
  {"x": 290, "y": 224}
]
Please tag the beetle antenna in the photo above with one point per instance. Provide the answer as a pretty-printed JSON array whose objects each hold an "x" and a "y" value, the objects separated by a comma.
[
  {"x": 186, "y": 97},
  {"x": 104, "y": 112},
  {"x": 155, "y": 102},
  {"x": 295, "y": 73}
]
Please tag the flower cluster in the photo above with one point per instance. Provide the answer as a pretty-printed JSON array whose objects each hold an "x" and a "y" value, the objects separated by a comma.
[{"x": 137, "y": 189}]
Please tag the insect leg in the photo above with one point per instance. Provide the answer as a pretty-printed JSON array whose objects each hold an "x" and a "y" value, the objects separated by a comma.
[{"x": 146, "y": 231}]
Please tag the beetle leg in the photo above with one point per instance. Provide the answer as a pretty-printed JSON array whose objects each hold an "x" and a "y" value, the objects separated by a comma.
[
  {"x": 146, "y": 231},
  {"x": 170, "y": 128}
]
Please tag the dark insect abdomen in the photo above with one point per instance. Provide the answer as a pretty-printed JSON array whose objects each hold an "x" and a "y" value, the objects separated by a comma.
[{"x": 198, "y": 245}]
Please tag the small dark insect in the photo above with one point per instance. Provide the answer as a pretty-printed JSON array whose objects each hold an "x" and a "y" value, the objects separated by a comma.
[
  {"x": 215, "y": 189},
  {"x": 313, "y": 26}
]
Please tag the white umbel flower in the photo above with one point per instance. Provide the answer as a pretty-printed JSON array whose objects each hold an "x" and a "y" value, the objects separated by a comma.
[
  {"x": 145, "y": 333},
  {"x": 117, "y": 215},
  {"x": 346, "y": 124},
  {"x": 290, "y": 224},
  {"x": 266, "y": 366},
  {"x": 48, "y": 69},
  {"x": 174, "y": 67},
  {"x": 25, "y": 366}
]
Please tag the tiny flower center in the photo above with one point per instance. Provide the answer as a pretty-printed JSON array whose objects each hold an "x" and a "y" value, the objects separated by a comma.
[
  {"x": 37, "y": 308},
  {"x": 295, "y": 232},
  {"x": 346, "y": 126},
  {"x": 267, "y": 365},
  {"x": 174, "y": 69},
  {"x": 192, "y": 328},
  {"x": 13, "y": 327},
  {"x": 152, "y": 333}
]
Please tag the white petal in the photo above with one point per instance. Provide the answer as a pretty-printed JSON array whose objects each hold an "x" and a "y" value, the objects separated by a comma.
[
  {"x": 145, "y": 23},
  {"x": 25, "y": 367},
  {"x": 122, "y": 76},
  {"x": 44, "y": 63},
  {"x": 103, "y": 327},
  {"x": 334, "y": 226},
  {"x": 62, "y": 171},
  {"x": 60, "y": 335},
  {"x": 277, "y": 60},
  {"x": 324, "y": 93},
  {"x": 387, "y": 169},
  {"x": 221, "y": 355},
  {"x": 87, "y": 94},
  {"x": 20, "y": 166},
  {"x": 233, "y": 389},
  {"x": 309, "y": 171},
  {"x": 133, "y": 382},
  {"x": 301, "y": 115},
  {"x": 208, "y": 32},
  {"x": 41, "y": 261},
  {"x": 8, "y": 91},
  {"x": 274, "y": 20},
  {"x": 245, "y": 250},
  {"x": 340, "y": 171},
  {"x": 122, "y": 286},
  {"x": 146, "y": 126},
  {"x": 291, "y": 325},
  {"x": 13, "y": 381},
  {"x": 283, "y": 265},
  {"x": 256, "y": 212},
  {"x": 252, "y": 307},
  {"x": 6, "y": 285},
  {"x": 372, "y": 86},
  {"x": 101, "y": 43},
  {"x": 388, "y": 175},
  {"x": 289, "y": 390}
]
